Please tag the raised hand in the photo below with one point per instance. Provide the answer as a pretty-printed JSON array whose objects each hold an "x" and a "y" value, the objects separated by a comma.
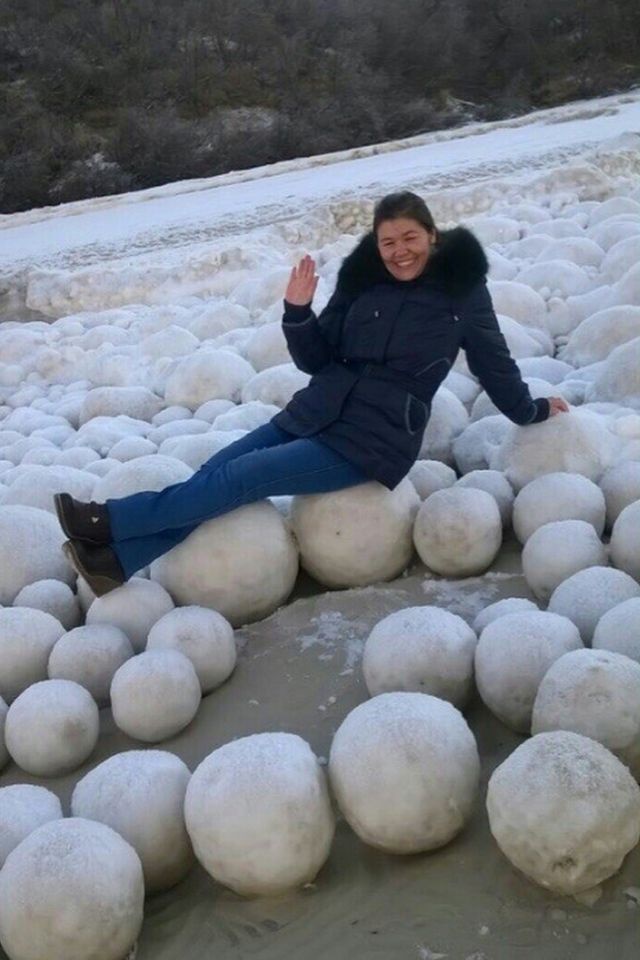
[
  {"x": 557, "y": 405},
  {"x": 302, "y": 283}
]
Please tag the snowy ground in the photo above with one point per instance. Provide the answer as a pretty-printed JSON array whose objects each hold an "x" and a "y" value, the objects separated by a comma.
[{"x": 141, "y": 333}]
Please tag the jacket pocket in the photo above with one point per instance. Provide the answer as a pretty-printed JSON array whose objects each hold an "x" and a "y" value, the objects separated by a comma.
[{"x": 416, "y": 414}]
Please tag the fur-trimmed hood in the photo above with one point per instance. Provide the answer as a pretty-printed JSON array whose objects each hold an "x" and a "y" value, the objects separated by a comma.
[{"x": 456, "y": 264}]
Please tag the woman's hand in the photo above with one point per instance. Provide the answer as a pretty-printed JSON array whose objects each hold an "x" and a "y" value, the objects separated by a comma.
[
  {"x": 302, "y": 283},
  {"x": 557, "y": 405}
]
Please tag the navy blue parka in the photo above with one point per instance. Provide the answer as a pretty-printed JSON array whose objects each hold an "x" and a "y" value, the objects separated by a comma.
[{"x": 381, "y": 348}]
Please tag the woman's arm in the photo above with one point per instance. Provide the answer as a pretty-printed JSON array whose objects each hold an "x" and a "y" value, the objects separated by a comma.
[
  {"x": 312, "y": 341},
  {"x": 489, "y": 360}
]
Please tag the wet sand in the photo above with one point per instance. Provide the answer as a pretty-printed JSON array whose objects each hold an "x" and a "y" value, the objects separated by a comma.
[{"x": 299, "y": 671}]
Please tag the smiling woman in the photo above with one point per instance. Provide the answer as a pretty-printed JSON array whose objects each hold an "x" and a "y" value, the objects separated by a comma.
[{"x": 408, "y": 297}]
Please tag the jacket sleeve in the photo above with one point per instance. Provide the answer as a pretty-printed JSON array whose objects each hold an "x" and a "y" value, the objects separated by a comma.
[
  {"x": 489, "y": 360},
  {"x": 313, "y": 341}
]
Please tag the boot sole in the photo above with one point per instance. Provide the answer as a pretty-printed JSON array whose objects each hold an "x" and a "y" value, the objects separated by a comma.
[
  {"x": 100, "y": 584},
  {"x": 59, "y": 500}
]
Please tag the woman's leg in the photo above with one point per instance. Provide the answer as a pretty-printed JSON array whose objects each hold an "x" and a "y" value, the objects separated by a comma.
[
  {"x": 300, "y": 466},
  {"x": 150, "y": 511}
]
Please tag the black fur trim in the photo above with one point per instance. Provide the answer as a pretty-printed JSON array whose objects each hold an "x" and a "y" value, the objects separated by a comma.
[{"x": 456, "y": 264}]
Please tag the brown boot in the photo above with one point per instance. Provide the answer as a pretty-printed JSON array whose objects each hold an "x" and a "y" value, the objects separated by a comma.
[
  {"x": 83, "y": 521},
  {"x": 97, "y": 564}
]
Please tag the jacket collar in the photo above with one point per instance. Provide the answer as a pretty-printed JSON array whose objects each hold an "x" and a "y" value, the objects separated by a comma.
[{"x": 456, "y": 264}]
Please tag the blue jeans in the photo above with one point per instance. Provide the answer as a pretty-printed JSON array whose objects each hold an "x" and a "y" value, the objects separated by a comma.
[{"x": 266, "y": 462}]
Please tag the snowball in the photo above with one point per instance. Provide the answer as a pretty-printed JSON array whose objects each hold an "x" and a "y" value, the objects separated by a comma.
[
  {"x": 612, "y": 207},
  {"x": 134, "y": 608},
  {"x": 33, "y": 539},
  {"x": 27, "y": 638},
  {"x": 137, "y": 402},
  {"x": 90, "y": 656},
  {"x": 181, "y": 428},
  {"x": 204, "y": 636},
  {"x": 500, "y": 609},
  {"x": 131, "y": 448},
  {"x": 208, "y": 411},
  {"x": 243, "y": 564},
  {"x": 518, "y": 301},
  {"x": 557, "y": 550},
  {"x": 513, "y": 654},
  {"x": 404, "y": 768},
  {"x": 267, "y": 347},
  {"x": 485, "y": 407},
  {"x": 356, "y": 536},
  {"x": 37, "y": 485},
  {"x": 427, "y": 476},
  {"x": 620, "y": 486},
  {"x": 207, "y": 375},
  {"x": 258, "y": 814},
  {"x": 217, "y": 318},
  {"x": 585, "y": 596},
  {"x": 447, "y": 420},
  {"x": 24, "y": 808},
  {"x": 479, "y": 443},
  {"x": 494, "y": 483},
  {"x": 596, "y": 336},
  {"x": 595, "y": 693},
  {"x": 564, "y": 811},
  {"x": 625, "y": 540},
  {"x": 54, "y": 597},
  {"x": 458, "y": 531},
  {"x": 465, "y": 388},
  {"x": 140, "y": 795},
  {"x": 173, "y": 341},
  {"x": 557, "y": 496},
  {"x": 276, "y": 385},
  {"x": 578, "y": 250},
  {"x": 619, "y": 381},
  {"x": 52, "y": 727},
  {"x": 248, "y": 416},
  {"x": 155, "y": 695},
  {"x": 619, "y": 629},
  {"x": 73, "y": 890},
  {"x": 575, "y": 442},
  {"x": 4, "y": 753},
  {"x": 545, "y": 368},
  {"x": 196, "y": 451},
  {"x": 153, "y": 472},
  {"x": 421, "y": 649}
]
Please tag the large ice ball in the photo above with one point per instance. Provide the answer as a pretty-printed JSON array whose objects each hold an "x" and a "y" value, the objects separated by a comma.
[
  {"x": 620, "y": 486},
  {"x": 577, "y": 442},
  {"x": 54, "y": 597},
  {"x": 140, "y": 795},
  {"x": 356, "y": 536},
  {"x": 52, "y": 727},
  {"x": 27, "y": 637},
  {"x": 564, "y": 811},
  {"x": 500, "y": 609},
  {"x": 421, "y": 649},
  {"x": 90, "y": 656},
  {"x": 204, "y": 636},
  {"x": 73, "y": 890},
  {"x": 134, "y": 608},
  {"x": 619, "y": 629},
  {"x": 625, "y": 540},
  {"x": 555, "y": 551},
  {"x": 596, "y": 693},
  {"x": 243, "y": 564},
  {"x": 586, "y": 595},
  {"x": 458, "y": 531},
  {"x": 557, "y": 496},
  {"x": 155, "y": 695},
  {"x": 404, "y": 768},
  {"x": 24, "y": 808},
  {"x": 258, "y": 814},
  {"x": 33, "y": 539},
  {"x": 513, "y": 655}
]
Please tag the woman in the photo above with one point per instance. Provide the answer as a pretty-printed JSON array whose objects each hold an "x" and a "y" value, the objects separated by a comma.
[{"x": 407, "y": 299}]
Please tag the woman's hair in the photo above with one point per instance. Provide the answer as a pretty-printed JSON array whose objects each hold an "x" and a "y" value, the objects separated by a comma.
[{"x": 404, "y": 204}]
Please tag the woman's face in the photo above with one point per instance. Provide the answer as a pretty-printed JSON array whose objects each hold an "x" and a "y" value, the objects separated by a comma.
[{"x": 404, "y": 245}]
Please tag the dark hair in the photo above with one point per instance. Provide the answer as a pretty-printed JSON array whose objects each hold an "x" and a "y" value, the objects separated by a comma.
[{"x": 404, "y": 204}]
